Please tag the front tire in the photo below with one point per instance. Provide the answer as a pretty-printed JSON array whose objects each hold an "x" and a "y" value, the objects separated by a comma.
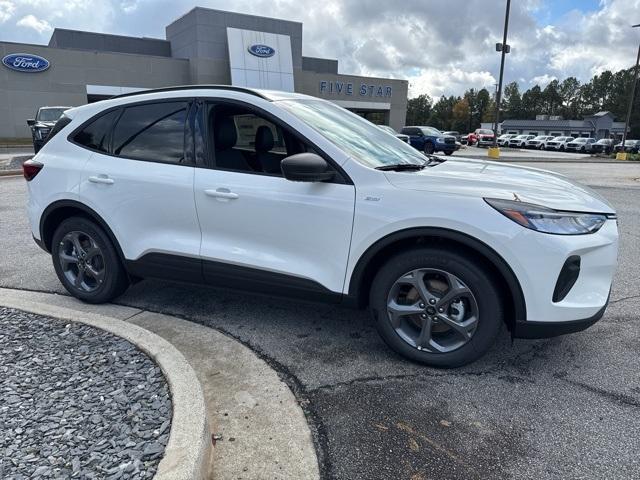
[
  {"x": 436, "y": 307},
  {"x": 429, "y": 148},
  {"x": 86, "y": 261}
]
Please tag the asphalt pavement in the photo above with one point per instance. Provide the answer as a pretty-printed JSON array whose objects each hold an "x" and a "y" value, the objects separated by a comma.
[{"x": 567, "y": 407}]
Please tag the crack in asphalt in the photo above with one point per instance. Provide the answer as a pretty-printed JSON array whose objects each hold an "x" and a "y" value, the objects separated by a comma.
[
  {"x": 619, "y": 398},
  {"x": 623, "y": 299}
]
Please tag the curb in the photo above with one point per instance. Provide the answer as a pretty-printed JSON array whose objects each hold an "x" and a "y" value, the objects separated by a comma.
[
  {"x": 188, "y": 452},
  {"x": 10, "y": 173}
]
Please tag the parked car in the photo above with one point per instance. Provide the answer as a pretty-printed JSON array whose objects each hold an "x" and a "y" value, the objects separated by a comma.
[
  {"x": 519, "y": 141},
  {"x": 401, "y": 136},
  {"x": 453, "y": 133},
  {"x": 439, "y": 250},
  {"x": 503, "y": 140},
  {"x": 604, "y": 145},
  {"x": 580, "y": 144},
  {"x": 538, "y": 142},
  {"x": 558, "y": 143},
  {"x": 472, "y": 139},
  {"x": 41, "y": 125},
  {"x": 630, "y": 146},
  {"x": 430, "y": 140},
  {"x": 485, "y": 138}
]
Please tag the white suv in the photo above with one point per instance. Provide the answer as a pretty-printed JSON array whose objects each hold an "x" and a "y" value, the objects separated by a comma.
[{"x": 291, "y": 195}]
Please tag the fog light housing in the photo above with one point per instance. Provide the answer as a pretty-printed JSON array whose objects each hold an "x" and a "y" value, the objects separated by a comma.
[{"x": 567, "y": 278}]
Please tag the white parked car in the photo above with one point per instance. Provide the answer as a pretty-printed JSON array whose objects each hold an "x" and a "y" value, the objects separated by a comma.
[
  {"x": 292, "y": 195},
  {"x": 558, "y": 143},
  {"x": 538, "y": 142},
  {"x": 503, "y": 140},
  {"x": 520, "y": 141},
  {"x": 581, "y": 144}
]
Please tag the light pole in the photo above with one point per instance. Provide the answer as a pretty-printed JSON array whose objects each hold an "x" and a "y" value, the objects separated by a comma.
[
  {"x": 504, "y": 48},
  {"x": 631, "y": 98}
]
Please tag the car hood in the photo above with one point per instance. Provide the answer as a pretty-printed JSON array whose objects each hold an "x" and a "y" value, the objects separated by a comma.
[{"x": 498, "y": 180}]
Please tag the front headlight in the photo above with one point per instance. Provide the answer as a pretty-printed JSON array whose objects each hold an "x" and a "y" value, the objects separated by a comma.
[
  {"x": 439, "y": 140},
  {"x": 548, "y": 220}
]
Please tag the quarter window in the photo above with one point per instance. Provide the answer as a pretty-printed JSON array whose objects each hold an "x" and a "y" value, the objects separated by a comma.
[
  {"x": 152, "y": 132},
  {"x": 95, "y": 135}
]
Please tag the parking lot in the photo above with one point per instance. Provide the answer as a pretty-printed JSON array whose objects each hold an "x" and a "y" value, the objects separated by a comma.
[{"x": 567, "y": 407}]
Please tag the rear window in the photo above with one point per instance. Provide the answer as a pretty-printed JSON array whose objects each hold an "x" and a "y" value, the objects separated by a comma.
[
  {"x": 95, "y": 135},
  {"x": 62, "y": 122},
  {"x": 153, "y": 132}
]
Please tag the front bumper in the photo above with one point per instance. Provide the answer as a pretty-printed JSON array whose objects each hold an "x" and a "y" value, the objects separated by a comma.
[{"x": 531, "y": 330}]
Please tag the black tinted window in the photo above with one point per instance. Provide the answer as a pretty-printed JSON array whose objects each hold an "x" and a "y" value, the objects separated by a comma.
[
  {"x": 151, "y": 132},
  {"x": 95, "y": 135}
]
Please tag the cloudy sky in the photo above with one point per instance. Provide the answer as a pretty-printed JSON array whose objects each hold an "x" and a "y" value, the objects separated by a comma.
[{"x": 441, "y": 46}]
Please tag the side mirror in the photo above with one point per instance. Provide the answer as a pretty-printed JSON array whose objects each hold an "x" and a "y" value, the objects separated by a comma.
[
  {"x": 306, "y": 167},
  {"x": 31, "y": 122}
]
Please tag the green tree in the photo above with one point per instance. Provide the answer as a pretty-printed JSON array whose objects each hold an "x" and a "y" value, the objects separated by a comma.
[
  {"x": 419, "y": 110},
  {"x": 569, "y": 90},
  {"x": 531, "y": 103},
  {"x": 551, "y": 98},
  {"x": 511, "y": 102}
]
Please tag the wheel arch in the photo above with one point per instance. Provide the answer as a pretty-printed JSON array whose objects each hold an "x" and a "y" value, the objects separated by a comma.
[
  {"x": 60, "y": 210},
  {"x": 375, "y": 256}
]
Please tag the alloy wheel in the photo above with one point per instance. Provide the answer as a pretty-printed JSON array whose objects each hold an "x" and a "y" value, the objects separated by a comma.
[
  {"x": 81, "y": 261},
  {"x": 432, "y": 310}
]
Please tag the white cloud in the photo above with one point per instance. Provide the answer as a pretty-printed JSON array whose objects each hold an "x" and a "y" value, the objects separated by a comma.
[
  {"x": 543, "y": 80},
  {"x": 441, "y": 47},
  {"x": 6, "y": 10},
  {"x": 31, "y": 21}
]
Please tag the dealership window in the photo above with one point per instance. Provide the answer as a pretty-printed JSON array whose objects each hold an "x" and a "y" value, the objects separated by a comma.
[
  {"x": 556, "y": 134},
  {"x": 243, "y": 140},
  {"x": 95, "y": 134},
  {"x": 513, "y": 132},
  {"x": 153, "y": 131}
]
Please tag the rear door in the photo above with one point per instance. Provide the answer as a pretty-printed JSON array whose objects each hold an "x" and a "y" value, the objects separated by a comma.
[{"x": 140, "y": 181}]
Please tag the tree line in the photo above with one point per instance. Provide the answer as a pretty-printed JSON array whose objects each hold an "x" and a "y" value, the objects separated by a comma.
[{"x": 568, "y": 98}]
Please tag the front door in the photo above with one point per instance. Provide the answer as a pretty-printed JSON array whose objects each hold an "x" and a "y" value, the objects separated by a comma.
[{"x": 259, "y": 230}]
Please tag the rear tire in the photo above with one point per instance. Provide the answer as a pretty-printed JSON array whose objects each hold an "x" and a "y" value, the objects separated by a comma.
[
  {"x": 446, "y": 344},
  {"x": 86, "y": 261}
]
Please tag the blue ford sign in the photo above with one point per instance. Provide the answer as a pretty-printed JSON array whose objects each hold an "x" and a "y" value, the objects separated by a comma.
[
  {"x": 25, "y": 62},
  {"x": 263, "y": 51}
]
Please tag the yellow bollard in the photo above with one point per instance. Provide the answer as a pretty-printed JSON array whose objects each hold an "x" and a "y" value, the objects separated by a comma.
[
  {"x": 493, "y": 152},
  {"x": 621, "y": 156}
]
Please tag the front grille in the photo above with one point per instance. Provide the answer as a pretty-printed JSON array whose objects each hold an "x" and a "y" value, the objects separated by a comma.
[{"x": 449, "y": 140}]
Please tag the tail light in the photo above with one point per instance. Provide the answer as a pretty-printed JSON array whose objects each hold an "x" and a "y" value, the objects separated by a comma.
[{"x": 30, "y": 169}]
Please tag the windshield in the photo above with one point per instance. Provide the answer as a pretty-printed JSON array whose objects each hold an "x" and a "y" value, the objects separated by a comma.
[
  {"x": 522, "y": 136},
  {"x": 580, "y": 140},
  {"x": 49, "y": 114},
  {"x": 430, "y": 131},
  {"x": 485, "y": 132},
  {"x": 357, "y": 137}
]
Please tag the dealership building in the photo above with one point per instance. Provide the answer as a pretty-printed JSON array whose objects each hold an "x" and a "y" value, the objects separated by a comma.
[
  {"x": 204, "y": 46},
  {"x": 599, "y": 125}
]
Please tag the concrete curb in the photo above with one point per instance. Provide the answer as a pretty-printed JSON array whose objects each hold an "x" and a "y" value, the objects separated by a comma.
[
  {"x": 10, "y": 173},
  {"x": 188, "y": 451}
]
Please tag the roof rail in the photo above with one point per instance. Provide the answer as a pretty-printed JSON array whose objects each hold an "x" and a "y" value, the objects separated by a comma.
[{"x": 193, "y": 87}]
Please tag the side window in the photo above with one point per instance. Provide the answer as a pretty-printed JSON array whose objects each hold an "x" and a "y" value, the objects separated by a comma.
[
  {"x": 248, "y": 126},
  {"x": 241, "y": 139},
  {"x": 152, "y": 132},
  {"x": 95, "y": 135}
]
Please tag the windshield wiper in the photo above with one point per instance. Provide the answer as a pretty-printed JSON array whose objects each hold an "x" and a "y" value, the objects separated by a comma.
[{"x": 399, "y": 167}]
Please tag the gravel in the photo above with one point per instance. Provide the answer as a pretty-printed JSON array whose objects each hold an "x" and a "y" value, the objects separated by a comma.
[{"x": 77, "y": 402}]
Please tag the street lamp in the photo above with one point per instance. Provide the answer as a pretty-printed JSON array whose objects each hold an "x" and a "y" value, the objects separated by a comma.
[
  {"x": 622, "y": 155},
  {"x": 504, "y": 48}
]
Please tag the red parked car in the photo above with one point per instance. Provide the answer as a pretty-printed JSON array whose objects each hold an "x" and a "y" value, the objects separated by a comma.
[{"x": 485, "y": 137}]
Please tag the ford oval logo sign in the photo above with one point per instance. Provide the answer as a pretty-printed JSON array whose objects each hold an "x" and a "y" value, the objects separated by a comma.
[
  {"x": 263, "y": 51},
  {"x": 25, "y": 62}
]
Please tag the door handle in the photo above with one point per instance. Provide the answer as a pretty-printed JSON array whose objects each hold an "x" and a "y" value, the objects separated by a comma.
[
  {"x": 222, "y": 193},
  {"x": 101, "y": 179}
]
